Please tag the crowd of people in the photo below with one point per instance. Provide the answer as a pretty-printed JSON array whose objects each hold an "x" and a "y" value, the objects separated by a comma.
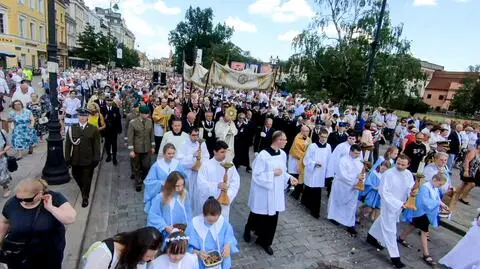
[{"x": 187, "y": 144}]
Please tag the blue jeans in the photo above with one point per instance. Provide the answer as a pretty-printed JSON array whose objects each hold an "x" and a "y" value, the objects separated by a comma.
[{"x": 451, "y": 161}]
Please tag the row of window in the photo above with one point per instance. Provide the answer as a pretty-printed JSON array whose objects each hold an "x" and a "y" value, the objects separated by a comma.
[
  {"x": 30, "y": 32},
  {"x": 34, "y": 4},
  {"x": 440, "y": 97}
]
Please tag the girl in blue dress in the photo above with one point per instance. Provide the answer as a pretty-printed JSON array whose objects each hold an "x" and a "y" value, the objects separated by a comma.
[
  {"x": 212, "y": 232},
  {"x": 158, "y": 174},
  {"x": 171, "y": 206},
  {"x": 24, "y": 136},
  {"x": 369, "y": 196},
  {"x": 428, "y": 204}
]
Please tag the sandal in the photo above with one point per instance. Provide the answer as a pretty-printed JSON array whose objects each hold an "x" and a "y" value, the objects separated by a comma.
[
  {"x": 403, "y": 243},
  {"x": 429, "y": 260},
  {"x": 464, "y": 202}
]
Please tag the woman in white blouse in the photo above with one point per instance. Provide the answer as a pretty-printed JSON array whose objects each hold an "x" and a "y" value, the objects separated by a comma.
[{"x": 125, "y": 250}]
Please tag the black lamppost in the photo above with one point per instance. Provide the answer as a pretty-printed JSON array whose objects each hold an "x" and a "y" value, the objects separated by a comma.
[
  {"x": 55, "y": 171},
  {"x": 368, "y": 74},
  {"x": 110, "y": 11}
]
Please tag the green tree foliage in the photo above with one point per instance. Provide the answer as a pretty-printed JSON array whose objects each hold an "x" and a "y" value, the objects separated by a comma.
[
  {"x": 466, "y": 99},
  {"x": 198, "y": 30},
  {"x": 334, "y": 65},
  {"x": 97, "y": 47}
]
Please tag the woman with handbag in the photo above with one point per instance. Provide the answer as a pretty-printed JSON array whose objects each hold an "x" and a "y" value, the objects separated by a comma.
[
  {"x": 32, "y": 226},
  {"x": 5, "y": 177}
]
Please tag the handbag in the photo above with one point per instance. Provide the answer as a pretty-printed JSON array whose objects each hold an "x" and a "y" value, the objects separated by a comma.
[
  {"x": 16, "y": 251},
  {"x": 12, "y": 164}
]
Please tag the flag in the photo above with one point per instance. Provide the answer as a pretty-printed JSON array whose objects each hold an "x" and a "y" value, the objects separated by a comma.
[
  {"x": 221, "y": 75},
  {"x": 197, "y": 75}
]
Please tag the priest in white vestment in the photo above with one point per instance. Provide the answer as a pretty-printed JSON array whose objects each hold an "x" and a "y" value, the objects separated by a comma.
[
  {"x": 176, "y": 137},
  {"x": 191, "y": 156},
  {"x": 267, "y": 192},
  {"x": 342, "y": 205},
  {"x": 395, "y": 188},
  {"x": 210, "y": 179},
  {"x": 225, "y": 130},
  {"x": 340, "y": 150}
]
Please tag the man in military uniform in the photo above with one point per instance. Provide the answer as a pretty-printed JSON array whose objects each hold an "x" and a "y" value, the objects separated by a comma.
[
  {"x": 339, "y": 136},
  {"x": 82, "y": 152},
  {"x": 141, "y": 145},
  {"x": 113, "y": 123}
]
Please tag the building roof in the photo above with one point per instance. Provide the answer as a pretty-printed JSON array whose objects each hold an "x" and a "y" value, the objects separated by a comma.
[{"x": 443, "y": 80}]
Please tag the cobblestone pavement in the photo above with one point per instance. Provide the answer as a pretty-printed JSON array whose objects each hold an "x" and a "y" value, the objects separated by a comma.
[{"x": 301, "y": 241}]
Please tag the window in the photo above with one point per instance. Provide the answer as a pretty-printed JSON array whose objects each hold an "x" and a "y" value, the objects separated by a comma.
[
  {"x": 429, "y": 96},
  {"x": 440, "y": 97},
  {"x": 42, "y": 33},
  {"x": 32, "y": 31},
  {"x": 21, "y": 1},
  {"x": 3, "y": 21},
  {"x": 32, "y": 4},
  {"x": 22, "y": 27},
  {"x": 34, "y": 64},
  {"x": 41, "y": 6}
]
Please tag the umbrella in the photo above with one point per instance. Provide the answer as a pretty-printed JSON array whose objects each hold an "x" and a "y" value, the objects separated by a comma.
[{"x": 7, "y": 54}]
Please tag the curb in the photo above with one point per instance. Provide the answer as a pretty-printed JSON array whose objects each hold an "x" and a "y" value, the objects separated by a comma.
[
  {"x": 75, "y": 233},
  {"x": 453, "y": 226}
]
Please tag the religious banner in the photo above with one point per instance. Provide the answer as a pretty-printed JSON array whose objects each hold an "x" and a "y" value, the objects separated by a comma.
[
  {"x": 266, "y": 68},
  {"x": 197, "y": 76},
  {"x": 221, "y": 75},
  {"x": 238, "y": 66}
]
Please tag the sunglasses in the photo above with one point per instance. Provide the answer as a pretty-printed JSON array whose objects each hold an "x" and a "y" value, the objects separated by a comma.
[{"x": 27, "y": 200}]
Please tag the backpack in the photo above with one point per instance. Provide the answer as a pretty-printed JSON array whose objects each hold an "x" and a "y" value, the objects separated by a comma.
[{"x": 95, "y": 246}]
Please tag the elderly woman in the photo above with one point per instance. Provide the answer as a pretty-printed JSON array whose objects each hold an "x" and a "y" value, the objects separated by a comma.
[
  {"x": 5, "y": 177},
  {"x": 24, "y": 136},
  {"x": 35, "y": 217}
]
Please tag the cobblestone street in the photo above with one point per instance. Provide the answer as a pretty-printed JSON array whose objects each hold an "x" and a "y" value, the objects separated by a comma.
[{"x": 301, "y": 241}]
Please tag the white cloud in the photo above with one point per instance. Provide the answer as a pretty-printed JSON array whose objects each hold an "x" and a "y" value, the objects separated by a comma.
[
  {"x": 330, "y": 31},
  {"x": 418, "y": 3},
  {"x": 462, "y": 1},
  {"x": 241, "y": 26},
  {"x": 288, "y": 36},
  {"x": 282, "y": 11},
  {"x": 158, "y": 50},
  {"x": 161, "y": 7},
  {"x": 137, "y": 24}
]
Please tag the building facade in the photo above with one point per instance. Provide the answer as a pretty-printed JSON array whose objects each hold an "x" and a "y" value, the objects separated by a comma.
[
  {"x": 442, "y": 88},
  {"x": 61, "y": 7},
  {"x": 23, "y": 32},
  {"x": 116, "y": 26}
]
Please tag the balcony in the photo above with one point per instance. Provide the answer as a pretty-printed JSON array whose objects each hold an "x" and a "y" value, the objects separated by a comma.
[{"x": 62, "y": 45}]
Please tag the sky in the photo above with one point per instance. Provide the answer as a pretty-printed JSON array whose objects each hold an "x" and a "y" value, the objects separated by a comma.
[{"x": 443, "y": 32}]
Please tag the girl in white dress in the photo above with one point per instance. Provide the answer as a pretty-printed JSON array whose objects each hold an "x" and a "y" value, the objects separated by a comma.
[{"x": 177, "y": 256}]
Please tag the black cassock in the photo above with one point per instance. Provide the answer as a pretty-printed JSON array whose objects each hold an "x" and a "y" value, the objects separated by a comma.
[
  {"x": 242, "y": 142},
  {"x": 263, "y": 139},
  {"x": 209, "y": 135}
]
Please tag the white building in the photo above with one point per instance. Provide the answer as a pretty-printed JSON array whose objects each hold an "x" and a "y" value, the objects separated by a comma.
[
  {"x": 78, "y": 19},
  {"x": 117, "y": 25}
]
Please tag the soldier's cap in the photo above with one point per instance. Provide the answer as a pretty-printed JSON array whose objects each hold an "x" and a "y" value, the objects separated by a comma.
[
  {"x": 108, "y": 99},
  {"x": 83, "y": 112},
  {"x": 443, "y": 143},
  {"x": 144, "y": 110},
  {"x": 343, "y": 124}
]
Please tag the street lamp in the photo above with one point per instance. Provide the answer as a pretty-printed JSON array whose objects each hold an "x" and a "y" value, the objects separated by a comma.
[
  {"x": 114, "y": 6},
  {"x": 368, "y": 74},
  {"x": 55, "y": 171}
]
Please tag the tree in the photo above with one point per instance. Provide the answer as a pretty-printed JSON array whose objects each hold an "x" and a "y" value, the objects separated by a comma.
[
  {"x": 129, "y": 58},
  {"x": 335, "y": 65},
  {"x": 197, "y": 31},
  {"x": 466, "y": 99},
  {"x": 88, "y": 44}
]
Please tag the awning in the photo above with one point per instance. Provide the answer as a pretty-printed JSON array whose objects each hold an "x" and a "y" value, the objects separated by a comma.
[{"x": 7, "y": 54}]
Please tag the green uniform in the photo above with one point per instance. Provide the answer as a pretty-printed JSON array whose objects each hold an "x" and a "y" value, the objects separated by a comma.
[
  {"x": 141, "y": 141},
  {"x": 132, "y": 115},
  {"x": 82, "y": 152}
]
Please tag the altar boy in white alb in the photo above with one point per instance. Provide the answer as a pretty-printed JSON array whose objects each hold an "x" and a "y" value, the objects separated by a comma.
[
  {"x": 210, "y": 178},
  {"x": 394, "y": 189},
  {"x": 343, "y": 202},
  {"x": 315, "y": 162},
  {"x": 191, "y": 155}
]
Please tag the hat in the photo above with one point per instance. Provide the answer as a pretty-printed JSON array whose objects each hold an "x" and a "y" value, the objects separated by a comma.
[
  {"x": 343, "y": 124},
  {"x": 108, "y": 99},
  {"x": 83, "y": 112},
  {"x": 144, "y": 110}
]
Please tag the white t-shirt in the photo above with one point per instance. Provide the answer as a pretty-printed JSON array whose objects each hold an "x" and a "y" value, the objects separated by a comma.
[
  {"x": 100, "y": 259},
  {"x": 25, "y": 98}
]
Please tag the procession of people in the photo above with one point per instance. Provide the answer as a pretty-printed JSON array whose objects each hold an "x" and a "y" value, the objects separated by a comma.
[{"x": 187, "y": 145}]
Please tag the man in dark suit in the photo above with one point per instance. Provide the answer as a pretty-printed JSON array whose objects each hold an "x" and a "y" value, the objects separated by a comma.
[
  {"x": 316, "y": 131},
  {"x": 338, "y": 137},
  {"x": 113, "y": 124},
  {"x": 241, "y": 140},
  {"x": 208, "y": 127},
  {"x": 455, "y": 146},
  {"x": 102, "y": 103},
  {"x": 263, "y": 138},
  {"x": 82, "y": 152},
  {"x": 189, "y": 123}
]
